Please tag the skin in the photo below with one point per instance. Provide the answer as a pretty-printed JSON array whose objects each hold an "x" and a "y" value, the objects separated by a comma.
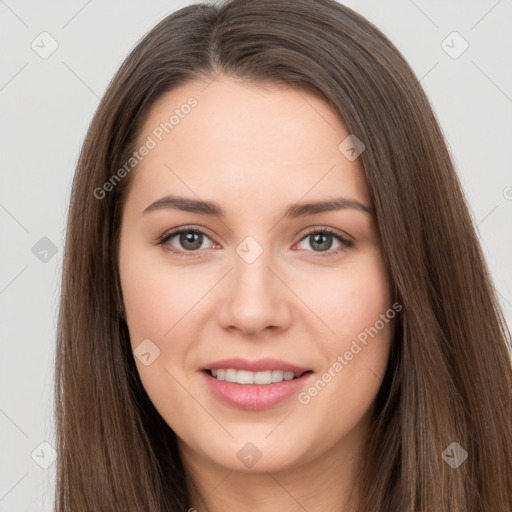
[{"x": 255, "y": 150}]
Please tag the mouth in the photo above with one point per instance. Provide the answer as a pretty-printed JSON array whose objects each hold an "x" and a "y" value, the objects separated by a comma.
[
  {"x": 246, "y": 377},
  {"x": 254, "y": 391}
]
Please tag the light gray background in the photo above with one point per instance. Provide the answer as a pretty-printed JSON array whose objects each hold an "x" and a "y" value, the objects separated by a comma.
[{"x": 46, "y": 107}]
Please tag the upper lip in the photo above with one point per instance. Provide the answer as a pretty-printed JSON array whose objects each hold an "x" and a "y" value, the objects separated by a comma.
[{"x": 260, "y": 365}]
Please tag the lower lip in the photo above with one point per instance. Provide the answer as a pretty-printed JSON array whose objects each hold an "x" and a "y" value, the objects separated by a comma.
[{"x": 255, "y": 397}]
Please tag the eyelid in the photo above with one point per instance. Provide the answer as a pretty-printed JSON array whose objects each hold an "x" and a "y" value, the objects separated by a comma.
[
  {"x": 163, "y": 239},
  {"x": 318, "y": 228},
  {"x": 345, "y": 240}
]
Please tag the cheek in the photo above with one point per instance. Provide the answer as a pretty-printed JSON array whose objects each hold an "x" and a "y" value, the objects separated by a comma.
[
  {"x": 157, "y": 299},
  {"x": 349, "y": 300},
  {"x": 355, "y": 348},
  {"x": 156, "y": 296},
  {"x": 144, "y": 304}
]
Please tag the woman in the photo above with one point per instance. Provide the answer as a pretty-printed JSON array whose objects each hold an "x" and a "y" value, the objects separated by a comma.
[{"x": 215, "y": 349}]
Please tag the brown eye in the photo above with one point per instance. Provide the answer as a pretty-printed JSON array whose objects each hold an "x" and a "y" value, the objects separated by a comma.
[{"x": 190, "y": 240}]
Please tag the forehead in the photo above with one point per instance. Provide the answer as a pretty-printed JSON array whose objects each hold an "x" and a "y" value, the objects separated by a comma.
[{"x": 246, "y": 141}]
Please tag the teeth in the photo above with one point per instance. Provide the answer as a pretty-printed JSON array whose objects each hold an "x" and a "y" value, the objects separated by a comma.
[
  {"x": 247, "y": 377},
  {"x": 230, "y": 375}
]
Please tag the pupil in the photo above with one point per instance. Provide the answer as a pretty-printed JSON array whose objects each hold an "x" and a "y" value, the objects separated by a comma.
[
  {"x": 317, "y": 241},
  {"x": 191, "y": 238}
]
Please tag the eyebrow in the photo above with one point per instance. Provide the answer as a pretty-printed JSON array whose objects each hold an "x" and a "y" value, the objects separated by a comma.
[{"x": 186, "y": 204}]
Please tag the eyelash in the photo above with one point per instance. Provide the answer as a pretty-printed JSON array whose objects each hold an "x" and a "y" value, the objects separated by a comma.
[{"x": 166, "y": 237}]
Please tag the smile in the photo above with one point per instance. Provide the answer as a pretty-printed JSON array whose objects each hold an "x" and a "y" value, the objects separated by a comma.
[
  {"x": 254, "y": 396},
  {"x": 248, "y": 377}
]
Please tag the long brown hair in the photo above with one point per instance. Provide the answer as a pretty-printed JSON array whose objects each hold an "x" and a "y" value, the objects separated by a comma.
[{"x": 449, "y": 377}]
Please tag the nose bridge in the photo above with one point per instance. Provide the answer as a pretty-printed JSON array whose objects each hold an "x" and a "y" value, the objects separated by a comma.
[
  {"x": 255, "y": 298},
  {"x": 252, "y": 280},
  {"x": 251, "y": 268}
]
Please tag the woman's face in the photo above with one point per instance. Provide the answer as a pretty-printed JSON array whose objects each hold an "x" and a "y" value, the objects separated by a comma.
[{"x": 248, "y": 281}]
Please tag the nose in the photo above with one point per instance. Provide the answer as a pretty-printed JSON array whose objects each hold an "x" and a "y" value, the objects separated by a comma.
[{"x": 255, "y": 299}]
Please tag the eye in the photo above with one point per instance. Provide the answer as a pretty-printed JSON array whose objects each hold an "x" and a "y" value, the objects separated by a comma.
[
  {"x": 191, "y": 240},
  {"x": 321, "y": 241}
]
